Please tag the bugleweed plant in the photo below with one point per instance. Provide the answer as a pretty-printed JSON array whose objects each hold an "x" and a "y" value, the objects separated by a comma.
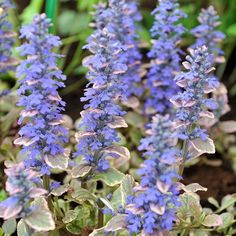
[
  {"x": 87, "y": 177},
  {"x": 165, "y": 57}
]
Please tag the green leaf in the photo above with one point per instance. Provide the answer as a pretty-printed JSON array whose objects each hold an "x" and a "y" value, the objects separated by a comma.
[
  {"x": 203, "y": 146},
  {"x": 81, "y": 171},
  {"x": 212, "y": 220},
  {"x": 193, "y": 188},
  {"x": 228, "y": 126},
  {"x": 231, "y": 31},
  {"x": 111, "y": 177},
  {"x": 126, "y": 188},
  {"x": 9, "y": 226},
  {"x": 198, "y": 232},
  {"x": 33, "y": 8},
  {"x": 134, "y": 119},
  {"x": 3, "y": 195},
  {"x": 57, "y": 161},
  {"x": 85, "y": 219},
  {"x": 116, "y": 223},
  {"x": 82, "y": 195},
  {"x": 228, "y": 220},
  {"x": 214, "y": 202},
  {"x": 70, "y": 216},
  {"x": 226, "y": 202},
  {"x": 23, "y": 229},
  {"x": 40, "y": 220}
]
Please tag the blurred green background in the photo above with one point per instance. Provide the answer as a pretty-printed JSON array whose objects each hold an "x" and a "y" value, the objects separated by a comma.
[{"x": 71, "y": 21}]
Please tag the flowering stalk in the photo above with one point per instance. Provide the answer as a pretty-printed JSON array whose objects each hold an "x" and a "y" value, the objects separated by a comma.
[
  {"x": 6, "y": 38},
  {"x": 193, "y": 104},
  {"x": 165, "y": 56},
  {"x": 207, "y": 34},
  {"x": 152, "y": 210},
  {"x": 119, "y": 18},
  {"x": 102, "y": 114},
  {"x": 42, "y": 136},
  {"x": 22, "y": 191}
]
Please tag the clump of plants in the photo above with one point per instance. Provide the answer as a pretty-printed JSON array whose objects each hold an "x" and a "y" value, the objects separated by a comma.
[{"x": 119, "y": 168}]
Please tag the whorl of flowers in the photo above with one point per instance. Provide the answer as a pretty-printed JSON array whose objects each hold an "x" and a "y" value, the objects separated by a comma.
[
  {"x": 21, "y": 190},
  {"x": 42, "y": 136},
  {"x": 192, "y": 103},
  {"x": 152, "y": 210},
  {"x": 6, "y": 38},
  {"x": 102, "y": 114},
  {"x": 123, "y": 15},
  {"x": 165, "y": 55},
  {"x": 207, "y": 34}
]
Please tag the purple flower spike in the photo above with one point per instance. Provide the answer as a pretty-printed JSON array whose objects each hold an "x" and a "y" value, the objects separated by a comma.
[
  {"x": 6, "y": 38},
  {"x": 152, "y": 209},
  {"x": 102, "y": 114},
  {"x": 22, "y": 191},
  {"x": 206, "y": 33},
  {"x": 193, "y": 103},
  {"x": 165, "y": 56},
  {"x": 42, "y": 136}
]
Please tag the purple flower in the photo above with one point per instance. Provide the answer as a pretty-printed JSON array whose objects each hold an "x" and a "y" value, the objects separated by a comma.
[
  {"x": 6, "y": 38},
  {"x": 193, "y": 103},
  {"x": 165, "y": 56},
  {"x": 152, "y": 209},
  {"x": 119, "y": 18},
  {"x": 22, "y": 191},
  {"x": 102, "y": 114},
  {"x": 207, "y": 34},
  {"x": 42, "y": 135}
]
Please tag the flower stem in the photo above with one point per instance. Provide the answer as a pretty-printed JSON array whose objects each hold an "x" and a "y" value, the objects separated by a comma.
[
  {"x": 185, "y": 153},
  {"x": 46, "y": 185}
]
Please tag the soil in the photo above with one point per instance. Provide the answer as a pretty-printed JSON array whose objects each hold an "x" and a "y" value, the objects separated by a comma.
[{"x": 218, "y": 180}]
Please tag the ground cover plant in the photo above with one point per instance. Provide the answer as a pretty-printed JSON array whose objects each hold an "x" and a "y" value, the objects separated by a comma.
[{"x": 117, "y": 118}]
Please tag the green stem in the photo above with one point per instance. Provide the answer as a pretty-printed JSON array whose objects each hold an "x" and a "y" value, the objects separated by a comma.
[
  {"x": 185, "y": 154},
  {"x": 100, "y": 215},
  {"x": 46, "y": 185},
  {"x": 51, "y": 11}
]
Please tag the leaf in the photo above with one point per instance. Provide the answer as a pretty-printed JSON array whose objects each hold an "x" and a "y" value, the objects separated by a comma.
[
  {"x": 226, "y": 202},
  {"x": 81, "y": 171},
  {"x": 116, "y": 223},
  {"x": 231, "y": 31},
  {"x": 212, "y": 220},
  {"x": 57, "y": 161},
  {"x": 194, "y": 187},
  {"x": 107, "y": 203},
  {"x": 9, "y": 226},
  {"x": 59, "y": 191},
  {"x": 70, "y": 216},
  {"x": 23, "y": 229},
  {"x": 33, "y": 8},
  {"x": 228, "y": 126},
  {"x": 126, "y": 188},
  {"x": 82, "y": 194},
  {"x": 214, "y": 202},
  {"x": 111, "y": 177},
  {"x": 228, "y": 220},
  {"x": 118, "y": 122},
  {"x": 134, "y": 119},
  {"x": 40, "y": 220},
  {"x": 203, "y": 146},
  {"x": 118, "y": 151}
]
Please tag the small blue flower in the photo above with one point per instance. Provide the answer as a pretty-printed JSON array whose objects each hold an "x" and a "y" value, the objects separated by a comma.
[
  {"x": 102, "y": 113},
  {"x": 42, "y": 135},
  {"x": 6, "y": 38},
  {"x": 22, "y": 191},
  {"x": 165, "y": 55},
  {"x": 207, "y": 34},
  {"x": 152, "y": 209},
  {"x": 192, "y": 103}
]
